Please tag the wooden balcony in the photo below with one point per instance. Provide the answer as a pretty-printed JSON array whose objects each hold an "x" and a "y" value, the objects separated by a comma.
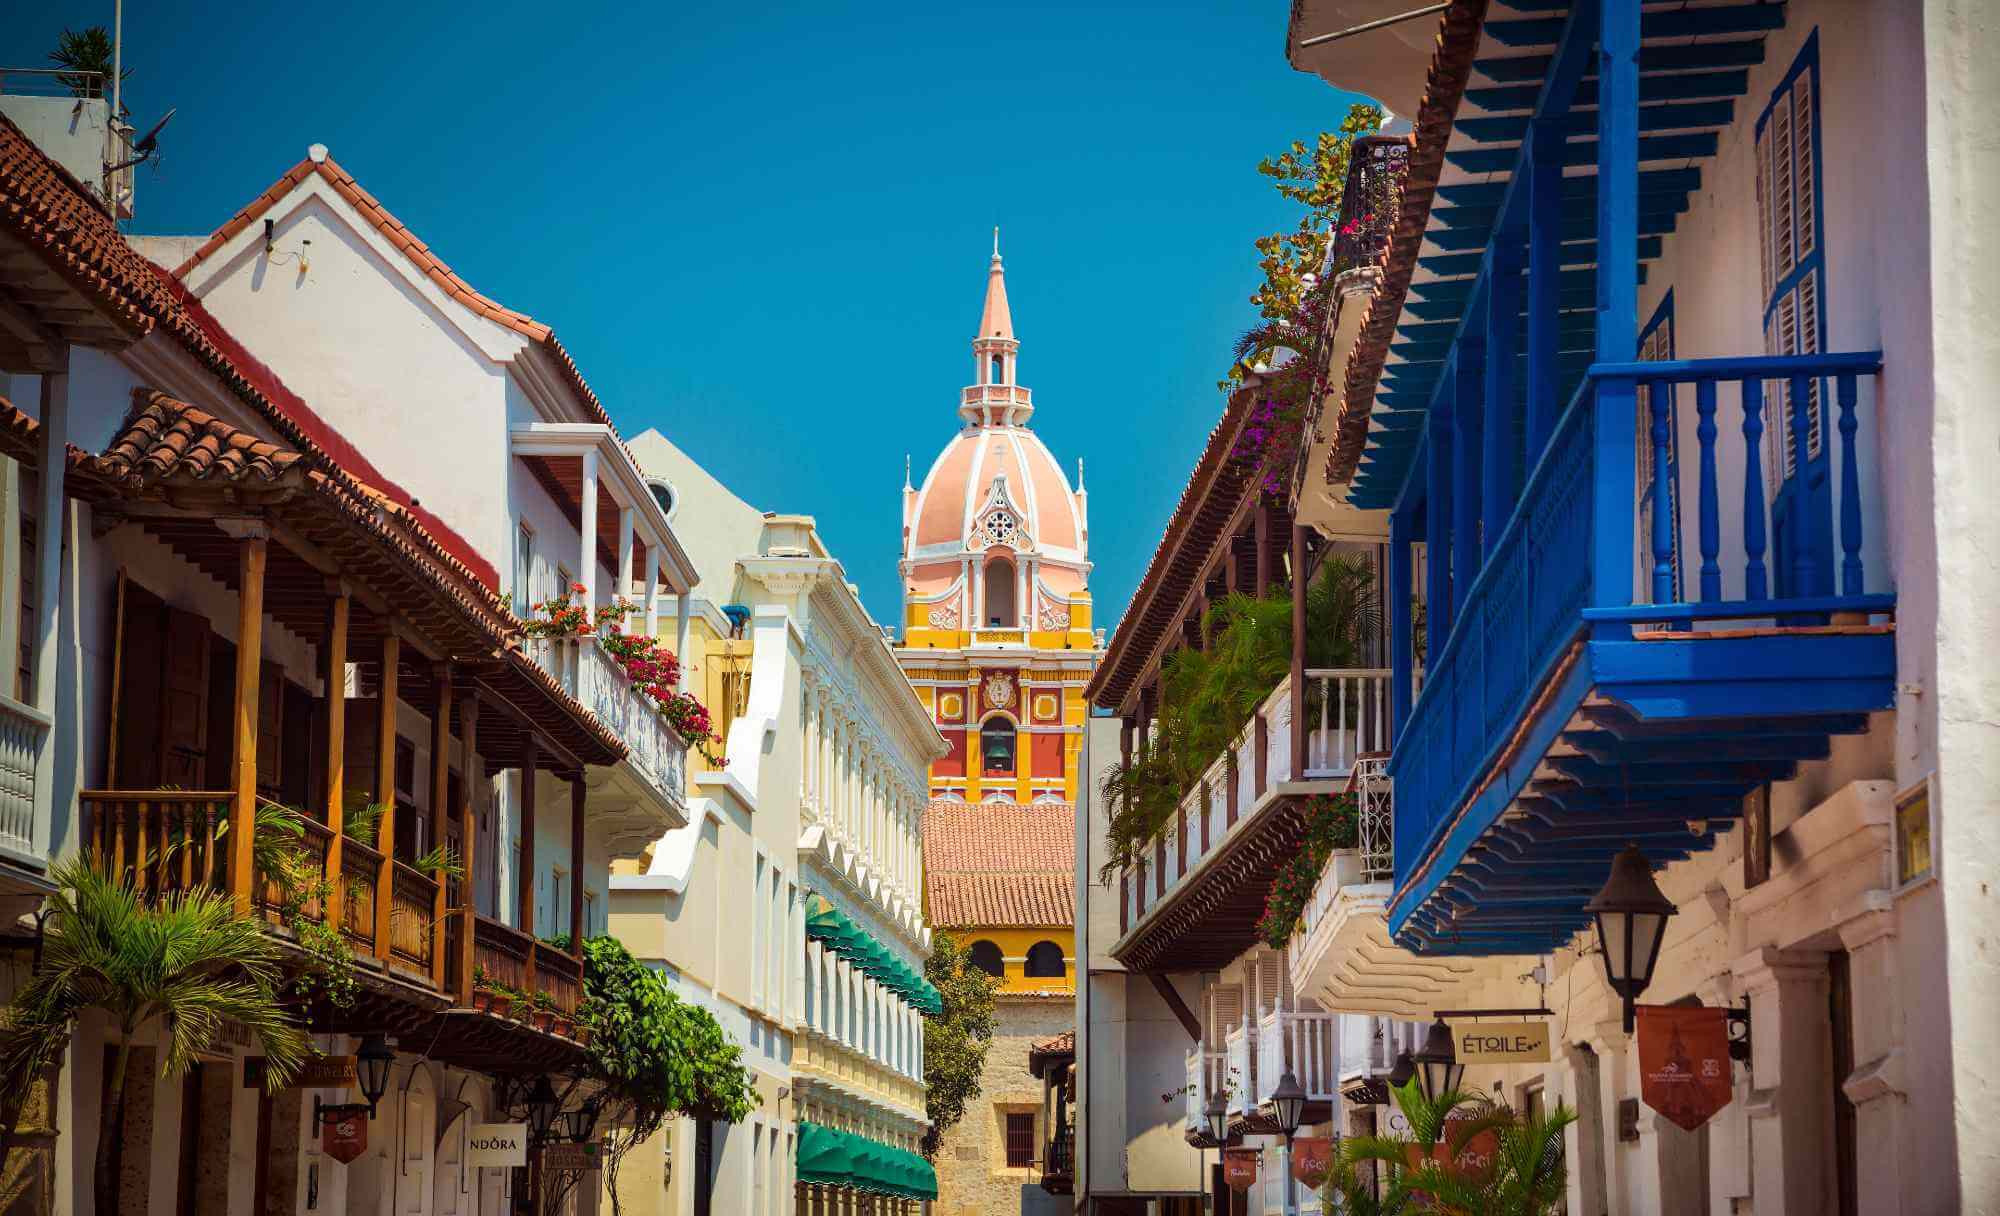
[{"x": 1197, "y": 898}]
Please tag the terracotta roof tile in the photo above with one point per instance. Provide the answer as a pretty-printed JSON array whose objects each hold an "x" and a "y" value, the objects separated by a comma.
[
  {"x": 1022, "y": 900},
  {"x": 19, "y": 432},
  {"x": 1000, "y": 864},
  {"x": 426, "y": 262},
  {"x": 164, "y": 439}
]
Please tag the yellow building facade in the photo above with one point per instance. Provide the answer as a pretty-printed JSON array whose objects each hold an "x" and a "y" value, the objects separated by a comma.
[{"x": 999, "y": 643}]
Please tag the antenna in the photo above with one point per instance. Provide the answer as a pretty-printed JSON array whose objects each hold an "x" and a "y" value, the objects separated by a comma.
[{"x": 148, "y": 146}]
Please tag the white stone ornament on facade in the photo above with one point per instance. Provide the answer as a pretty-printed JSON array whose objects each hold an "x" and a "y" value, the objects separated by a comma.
[
  {"x": 1051, "y": 615},
  {"x": 999, "y": 691},
  {"x": 945, "y": 615}
]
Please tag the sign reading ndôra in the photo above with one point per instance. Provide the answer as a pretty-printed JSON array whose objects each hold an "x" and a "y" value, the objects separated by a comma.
[
  {"x": 497, "y": 1145},
  {"x": 1502, "y": 1042}
]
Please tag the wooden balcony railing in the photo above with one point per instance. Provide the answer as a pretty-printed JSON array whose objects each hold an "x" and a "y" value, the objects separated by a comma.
[
  {"x": 161, "y": 841},
  {"x": 560, "y": 976},
  {"x": 360, "y": 870},
  {"x": 412, "y": 913}
]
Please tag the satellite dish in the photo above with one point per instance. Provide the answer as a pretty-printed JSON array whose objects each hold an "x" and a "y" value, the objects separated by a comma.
[{"x": 150, "y": 141}]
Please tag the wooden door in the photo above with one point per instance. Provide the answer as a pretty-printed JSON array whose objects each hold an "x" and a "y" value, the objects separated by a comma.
[
  {"x": 184, "y": 701},
  {"x": 142, "y": 645}
]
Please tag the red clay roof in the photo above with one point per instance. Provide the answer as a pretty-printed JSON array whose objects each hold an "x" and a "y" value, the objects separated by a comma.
[
  {"x": 167, "y": 439},
  {"x": 420, "y": 255},
  {"x": 1000, "y": 864}
]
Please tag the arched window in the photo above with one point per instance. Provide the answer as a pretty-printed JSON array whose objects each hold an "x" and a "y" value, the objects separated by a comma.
[
  {"x": 1000, "y": 592},
  {"x": 996, "y": 748},
  {"x": 986, "y": 956},
  {"x": 663, "y": 494},
  {"x": 997, "y": 372},
  {"x": 1045, "y": 961}
]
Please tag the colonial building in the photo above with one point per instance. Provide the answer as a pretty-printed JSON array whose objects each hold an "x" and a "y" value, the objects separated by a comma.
[
  {"x": 1658, "y": 387},
  {"x": 789, "y": 905},
  {"x": 998, "y": 642},
  {"x": 255, "y": 591}
]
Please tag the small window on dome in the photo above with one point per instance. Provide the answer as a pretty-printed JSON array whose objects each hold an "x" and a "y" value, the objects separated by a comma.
[
  {"x": 997, "y": 374},
  {"x": 1000, "y": 611}
]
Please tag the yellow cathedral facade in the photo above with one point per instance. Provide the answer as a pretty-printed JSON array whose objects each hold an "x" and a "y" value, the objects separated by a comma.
[{"x": 998, "y": 641}]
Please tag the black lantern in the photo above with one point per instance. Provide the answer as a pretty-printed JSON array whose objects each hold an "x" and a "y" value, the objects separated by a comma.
[
  {"x": 581, "y": 1121},
  {"x": 1288, "y": 1103},
  {"x": 1438, "y": 1069},
  {"x": 372, "y": 1062},
  {"x": 1631, "y": 915},
  {"x": 542, "y": 1107},
  {"x": 1404, "y": 1069},
  {"x": 1216, "y": 1115}
]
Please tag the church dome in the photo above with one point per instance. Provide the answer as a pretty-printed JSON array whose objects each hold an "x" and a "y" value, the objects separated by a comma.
[{"x": 995, "y": 485}]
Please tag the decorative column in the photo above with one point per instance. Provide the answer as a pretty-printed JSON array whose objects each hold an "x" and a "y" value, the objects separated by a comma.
[
  {"x": 253, "y": 552},
  {"x": 586, "y": 569},
  {"x": 1790, "y": 1106},
  {"x": 577, "y": 795},
  {"x": 1613, "y": 473},
  {"x": 1298, "y": 697},
  {"x": 524, "y": 881},
  {"x": 625, "y": 551},
  {"x": 653, "y": 602},
  {"x": 1613, "y": 1050},
  {"x": 1584, "y": 1141},
  {"x": 388, "y": 696}
]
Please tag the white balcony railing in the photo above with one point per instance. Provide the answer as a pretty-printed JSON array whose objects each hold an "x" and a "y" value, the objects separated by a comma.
[
  {"x": 1205, "y": 1076},
  {"x": 593, "y": 676},
  {"x": 1303, "y": 1042},
  {"x": 1238, "y": 1060},
  {"x": 1352, "y": 718},
  {"x": 23, "y": 732},
  {"x": 1349, "y": 721},
  {"x": 1342, "y": 869}
]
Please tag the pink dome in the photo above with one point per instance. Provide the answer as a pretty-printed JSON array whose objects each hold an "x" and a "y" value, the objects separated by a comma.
[{"x": 995, "y": 486}]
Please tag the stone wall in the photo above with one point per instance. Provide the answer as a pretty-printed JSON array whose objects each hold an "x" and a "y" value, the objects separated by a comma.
[{"x": 972, "y": 1176}]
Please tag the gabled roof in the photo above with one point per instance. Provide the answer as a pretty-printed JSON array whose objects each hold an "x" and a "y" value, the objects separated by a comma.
[
  {"x": 54, "y": 216},
  {"x": 1000, "y": 865},
  {"x": 420, "y": 255},
  {"x": 168, "y": 440}
]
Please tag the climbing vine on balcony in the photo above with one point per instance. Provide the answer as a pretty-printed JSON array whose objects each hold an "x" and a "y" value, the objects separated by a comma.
[
  {"x": 1332, "y": 823},
  {"x": 653, "y": 671}
]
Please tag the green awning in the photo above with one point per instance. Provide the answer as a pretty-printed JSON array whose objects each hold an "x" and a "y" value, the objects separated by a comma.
[
  {"x": 830, "y": 1157},
  {"x": 825, "y": 1155},
  {"x": 831, "y": 926}
]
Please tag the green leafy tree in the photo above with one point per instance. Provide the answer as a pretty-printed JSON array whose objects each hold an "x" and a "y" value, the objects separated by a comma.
[
  {"x": 957, "y": 1039},
  {"x": 1428, "y": 1170},
  {"x": 1313, "y": 177},
  {"x": 657, "y": 1055},
  {"x": 85, "y": 58},
  {"x": 187, "y": 965}
]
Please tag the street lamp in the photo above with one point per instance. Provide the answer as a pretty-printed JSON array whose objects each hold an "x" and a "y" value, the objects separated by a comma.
[
  {"x": 1288, "y": 1103},
  {"x": 542, "y": 1107},
  {"x": 1631, "y": 917},
  {"x": 1438, "y": 1069},
  {"x": 1216, "y": 1115},
  {"x": 1405, "y": 1068},
  {"x": 581, "y": 1121},
  {"x": 372, "y": 1062}
]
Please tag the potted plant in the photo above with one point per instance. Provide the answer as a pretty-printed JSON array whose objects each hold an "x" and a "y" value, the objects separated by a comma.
[{"x": 544, "y": 1015}]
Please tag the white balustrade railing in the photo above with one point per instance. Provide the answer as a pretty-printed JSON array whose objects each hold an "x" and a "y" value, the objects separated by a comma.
[
  {"x": 23, "y": 732},
  {"x": 1348, "y": 716},
  {"x": 1238, "y": 1060},
  {"x": 1303, "y": 1042},
  {"x": 591, "y": 674},
  {"x": 1342, "y": 869},
  {"x": 1205, "y": 1077}
]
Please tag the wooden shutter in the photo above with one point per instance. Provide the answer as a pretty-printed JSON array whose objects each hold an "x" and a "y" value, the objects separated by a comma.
[{"x": 184, "y": 701}]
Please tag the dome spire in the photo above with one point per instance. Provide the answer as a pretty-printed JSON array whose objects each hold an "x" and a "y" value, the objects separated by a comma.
[
  {"x": 995, "y": 397},
  {"x": 994, "y": 320}
]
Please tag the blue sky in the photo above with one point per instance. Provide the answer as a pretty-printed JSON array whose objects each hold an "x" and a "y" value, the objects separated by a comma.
[{"x": 764, "y": 228}]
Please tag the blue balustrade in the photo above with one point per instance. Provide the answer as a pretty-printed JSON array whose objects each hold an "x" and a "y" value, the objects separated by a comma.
[{"x": 1535, "y": 596}]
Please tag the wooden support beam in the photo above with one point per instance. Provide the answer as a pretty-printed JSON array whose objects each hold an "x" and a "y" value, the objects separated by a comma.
[
  {"x": 254, "y": 553},
  {"x": 468, "y": 730},
  {"x": 333, "y": 657},
  {"x": 1171, "y": 995},
  {"x": 1263, "y": 535},
  {"x": 577, "y": 795},
  {"x": 387, "y": 697},
  {"x": 1298, "y": 696},
  {"x": 525, "y": 880}
]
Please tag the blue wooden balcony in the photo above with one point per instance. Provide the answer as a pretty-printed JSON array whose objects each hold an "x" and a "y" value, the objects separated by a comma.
[
  {"x": 1627, "y": 625},
  {"x": 1576, "y": 705}
]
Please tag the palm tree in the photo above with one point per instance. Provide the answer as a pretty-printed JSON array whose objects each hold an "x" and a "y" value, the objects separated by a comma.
[
  {"x": 1422, "y": 1171},
  {"x": 85, "y": 56},
  {"x": 186, "y": 964}
]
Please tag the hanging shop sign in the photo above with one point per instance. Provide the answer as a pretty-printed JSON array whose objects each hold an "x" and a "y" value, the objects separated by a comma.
[
  {"x": 497, "y": 1145},
  {"x": 1312, "y": 1157},
  {"x": 572, "y": 1156},
  {"x": 343, "y": 1136},
  {"x": 1474, "y": 1158},
  {"x": 1684, "y": 1061},
  {"x": 1239, "y": 1167},
  {"x": 1502, "y": 1042},
  {"x": 326, "y": 1072}
]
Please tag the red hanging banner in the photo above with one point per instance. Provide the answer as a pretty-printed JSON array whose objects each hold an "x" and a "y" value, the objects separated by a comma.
[
  {"x": 1684, "y": 1061},
  {"x": 345, "y": 1136},
  {"x": 1312, "y": 1157},
  {"x": 1239, "y": 1167}
]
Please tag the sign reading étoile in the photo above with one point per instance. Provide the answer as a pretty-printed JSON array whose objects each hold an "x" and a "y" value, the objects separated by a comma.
[
  {"x": 497, "y": 1145},
  {"x": 1502, "y": 1042}
]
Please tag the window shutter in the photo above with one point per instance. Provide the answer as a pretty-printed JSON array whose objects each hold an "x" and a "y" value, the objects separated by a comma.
[
  {"x": 1784, "y": 209},
  {"x": 1763, "y": 158},
  {"x": 1809, "y": 344},
  {"x": 1803, "y": 180}
]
